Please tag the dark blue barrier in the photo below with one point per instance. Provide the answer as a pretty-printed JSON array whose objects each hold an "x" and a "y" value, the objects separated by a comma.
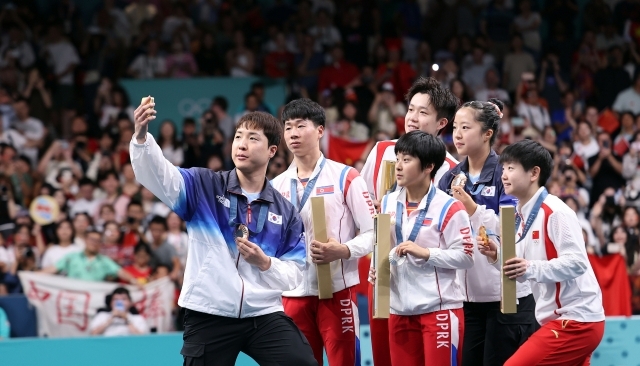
[{"x": 21, "y": 315}]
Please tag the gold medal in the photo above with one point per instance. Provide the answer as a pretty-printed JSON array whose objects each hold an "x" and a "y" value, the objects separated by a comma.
[
  {"x": 459, "y": 180},
  {"x": 242, "y": 232}
]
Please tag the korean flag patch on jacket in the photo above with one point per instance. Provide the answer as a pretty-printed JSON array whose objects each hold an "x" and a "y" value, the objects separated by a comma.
[
  {"x": 489, "y": 191},
  {"x": 276, "y": 219}
]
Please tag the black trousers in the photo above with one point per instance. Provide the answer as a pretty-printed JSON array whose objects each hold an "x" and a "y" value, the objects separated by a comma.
[
  {"x": 491, "y": 337},
  {"x": 271, "y": 339}
]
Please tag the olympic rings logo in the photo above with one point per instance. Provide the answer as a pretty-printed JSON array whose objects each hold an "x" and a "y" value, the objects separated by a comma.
[{"x": 188, "y": 107}]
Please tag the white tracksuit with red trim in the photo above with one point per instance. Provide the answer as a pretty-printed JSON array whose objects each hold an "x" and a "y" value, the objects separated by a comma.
[
  {"x": 419, "y": 286},
  {"x": 348, "y": 208},
  {"x": 561, "y": 277},
  {"x": 385, "y": 150}
]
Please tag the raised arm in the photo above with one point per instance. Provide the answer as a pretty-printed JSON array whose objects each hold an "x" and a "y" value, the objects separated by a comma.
[{"x": 156, "y": 173}]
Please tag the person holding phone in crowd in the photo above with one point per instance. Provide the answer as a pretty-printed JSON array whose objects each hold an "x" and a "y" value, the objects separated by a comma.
[{"x": 119, "y": 318}]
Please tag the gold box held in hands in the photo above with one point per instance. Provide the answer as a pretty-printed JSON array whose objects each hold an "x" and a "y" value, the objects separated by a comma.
[
  {"x": 325, "y": 287},
  {"x": 508, "y": 301},
  {"x": 380, "y": 258}
]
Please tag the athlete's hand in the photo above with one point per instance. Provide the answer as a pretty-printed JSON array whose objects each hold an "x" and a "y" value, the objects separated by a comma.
[
  {"x": 464, "y": 197},
  {"x": 332, "y": 250},
  {"x": 253, "y": 254},
  {"x": 142, "y": 116},
  {"x": 372, "y": 275},
  {"x": 515, "y": 267},
  {"x": 409, "y": 247},
  {"x": 490, "y": 249}
]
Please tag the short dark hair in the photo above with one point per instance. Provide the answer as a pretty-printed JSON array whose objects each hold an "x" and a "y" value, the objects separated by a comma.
[
  {"x": 487, "y": 115},
  {"x": 142, "y": 247},
  {"x": 270, "y": 126},
  {"x": 221, "y": 102},
  {"x": 426, "y": 147},
  {"x": 93, "y": 231},
  {"x": 442, "y": 99},
  {"x": 121, "y": 291},
  {"x": 304, "y": 108},
  {"x": 84, "y": 181},
  {"x": 104, "y": 176},
  {"x": 134, "y": 203},
  {"x": 159, "y": 220},
  {"x": 25, "y": 159},
  {"x": 529, "y": 154}
]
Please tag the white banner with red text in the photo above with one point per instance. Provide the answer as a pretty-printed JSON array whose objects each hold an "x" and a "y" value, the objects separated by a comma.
[{"x": 65, "y": 306}]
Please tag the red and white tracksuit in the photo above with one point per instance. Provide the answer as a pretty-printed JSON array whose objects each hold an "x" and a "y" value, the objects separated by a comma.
[
  {"x": 427, "y": 321},
  {"x": 372, "y": 172},
  {"x": 332, "y": 322},
  {"x": 568, "y": 297}
]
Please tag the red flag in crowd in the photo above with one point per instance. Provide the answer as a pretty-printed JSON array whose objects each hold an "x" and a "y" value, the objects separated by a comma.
[
  {"x": 611, "y": 272},
  {"x": 345, "y": 151}
]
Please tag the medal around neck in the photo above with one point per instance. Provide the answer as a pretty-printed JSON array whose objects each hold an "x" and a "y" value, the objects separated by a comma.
[
  {"x": 242, "y": 232},
  {"x": 459, "y": 180},
  {"x": 395, "y": 259}
]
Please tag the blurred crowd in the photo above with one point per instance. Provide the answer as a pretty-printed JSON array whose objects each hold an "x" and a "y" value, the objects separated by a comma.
[{"x": 568, "y": 72}]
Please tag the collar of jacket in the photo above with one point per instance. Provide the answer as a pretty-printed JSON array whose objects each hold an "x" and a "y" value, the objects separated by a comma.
[
  {"x": 488, "y": 169},
  {"x": 233, "y": 187}
]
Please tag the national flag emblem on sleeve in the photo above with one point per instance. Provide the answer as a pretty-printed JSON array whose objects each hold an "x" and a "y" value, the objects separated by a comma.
[
  {"x": 427, "y": 222},
  {"x": 324, "y": 190}
]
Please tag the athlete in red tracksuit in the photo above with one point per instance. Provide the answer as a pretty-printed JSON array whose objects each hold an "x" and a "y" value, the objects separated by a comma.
[
  {"x": 329, "y": 323},
  {"x": 431, "y": 108},
  {"x": 551, "y": 256}
]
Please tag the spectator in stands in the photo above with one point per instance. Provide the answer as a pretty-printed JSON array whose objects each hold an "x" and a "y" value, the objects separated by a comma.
[
  {"x": 552, "y": 81},
  {"x": 111, "y": 104},
  {"x": 139, "y": 12},
  {"x": 177, "y": 237},
  {"x": 169, "y": 143},
  {"x": 180, "y": 62},
  {"x": 191, "y": 145},
  {"x": 585, "y": 146},
  {"x": 533, "y": 110},
  {"x": 219, "y": 107},
  {"x": 140, "y": 269},
  {"x": 85, "y": 201},
  {"x": 120, "y": 318},
  {"x": 109, "y": 183},
  {"x": 279, "y": 62},
  {"x": 90, "y": 265},
  {"x": 58, "y": 158},
  {"x": 385, "y": 109},
  {"x": 112, "y": 242},
  {"x": 324, "y": 32},
  {"x": 32, "y": 129},
  {"x": 629, "y": 99},
  {"x": 62, "y": 246},
  {"x": 38, "y": 94},
  {"x": 605, "y": 168},
  {"x": 492, "y": 89},
  {"x": 105, "y": 214},
  {"x": 152, "y": 206},
  {"x": 516, "y": 63},
  {"x": 208, "y": 58},
  {"x": 339, "y": 73},
  {"x": 308, "y": 63},
  {"x": 212, "y": 138},
  {"x": 164, "y": 254},
  {"x": 63, "y": 60},
  {"x": 495, "y": 23},
  {"x": 631, "y": 224},
  {"x": 240, "y": 59},
  {"x": 528, "y": 24},
  {"x": 82, "y": 222},
  {"x": 128, "y": 184},
  {"x": 611, "y": 79},
  {"x": 396, "y": 71},
  {"x": 474, "y": 68},
  {"x": 591, "y": 240},
  {"x": 151, "y": 64}
]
